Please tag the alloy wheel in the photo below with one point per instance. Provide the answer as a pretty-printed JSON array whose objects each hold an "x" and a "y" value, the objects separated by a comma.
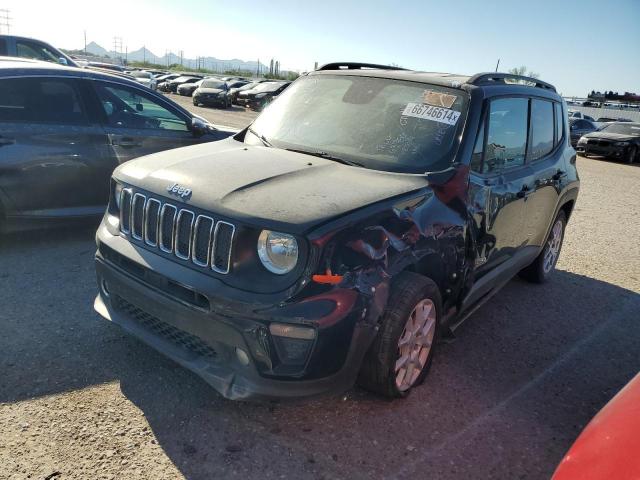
[
  {"x": 414, "y": 345},
  {"x": 553, "y": 247}
]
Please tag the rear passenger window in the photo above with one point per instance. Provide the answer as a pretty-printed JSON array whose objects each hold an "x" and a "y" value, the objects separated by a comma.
[
  {"x": 559, "y": 122},
  {"x": 40, "y": 100},
  {"x": 507, "y": 136},
  {"x": 541, "y": 129}
]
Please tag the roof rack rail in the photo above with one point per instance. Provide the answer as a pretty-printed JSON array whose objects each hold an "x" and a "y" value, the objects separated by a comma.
[
  {"x": 356, "y": 66},
  {"x": 488, "y": 78}
]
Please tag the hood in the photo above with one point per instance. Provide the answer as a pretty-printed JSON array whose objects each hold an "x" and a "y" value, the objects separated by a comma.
[
  {"x": 265, "y": 187},
  {"x": 616, "y": 137}
]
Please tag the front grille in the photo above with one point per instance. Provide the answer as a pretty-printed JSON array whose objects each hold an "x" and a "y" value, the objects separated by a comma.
[
  {"x": 601, "y": 143},
  {"x": 190, "y": 237},
  {"x": 178, "y": 337}
]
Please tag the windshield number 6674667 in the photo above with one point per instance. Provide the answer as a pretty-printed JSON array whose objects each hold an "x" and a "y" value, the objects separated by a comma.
[{"x": 429, "y": 112}]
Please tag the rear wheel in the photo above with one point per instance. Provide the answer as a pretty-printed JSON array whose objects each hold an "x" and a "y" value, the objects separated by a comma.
[
  {"x": 632, "y": 154},
  {"x": 401, "y": 354},
  {"x": 544, "y": 264}
]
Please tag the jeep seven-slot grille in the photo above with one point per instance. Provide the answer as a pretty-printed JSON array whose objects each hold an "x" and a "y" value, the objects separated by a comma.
[{"x": 190, "y": 237}]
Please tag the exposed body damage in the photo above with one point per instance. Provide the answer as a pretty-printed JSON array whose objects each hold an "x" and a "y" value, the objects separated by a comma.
[
  {"x": 326, "y": 267},
  {"x": 425, "y": 233}
]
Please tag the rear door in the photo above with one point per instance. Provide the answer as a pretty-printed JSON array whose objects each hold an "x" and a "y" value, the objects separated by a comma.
[
  {"x": 49, "y": 148},
  {"x": 545, "y": 157},
  {"x": 138, "y": 123}
]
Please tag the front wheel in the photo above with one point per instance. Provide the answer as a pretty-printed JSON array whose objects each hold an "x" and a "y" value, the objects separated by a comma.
[
  {"x": 401, "y": 354},
  {"x": 545, "y": 263},
  {"x": 631, "y": 154}
]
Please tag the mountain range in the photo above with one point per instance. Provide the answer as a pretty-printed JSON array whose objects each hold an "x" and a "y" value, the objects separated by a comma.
[{"x": 144, "y": 54}]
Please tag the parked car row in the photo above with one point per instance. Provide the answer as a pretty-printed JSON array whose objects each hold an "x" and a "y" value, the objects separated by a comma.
[
  {"x": 65, "y": 129},
  {"x": 618, "y": 140}
]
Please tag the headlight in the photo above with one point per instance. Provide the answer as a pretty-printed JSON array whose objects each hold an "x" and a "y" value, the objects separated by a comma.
[
  {"x": 278, "y": 252},
  {"x": 260, "y": 95},
  {"x": 621, "y": 144},
  {"x": 117, "y": 191},
  {"x": 582, "y": 140}
]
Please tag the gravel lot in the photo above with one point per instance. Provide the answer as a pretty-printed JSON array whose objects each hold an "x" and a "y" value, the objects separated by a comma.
[
  {"x": 80, "y": 399},
  {"x": 236, "y": 117}
]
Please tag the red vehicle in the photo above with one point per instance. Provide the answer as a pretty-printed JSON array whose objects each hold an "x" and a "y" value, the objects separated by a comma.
[{"x": 609, "y": 446}]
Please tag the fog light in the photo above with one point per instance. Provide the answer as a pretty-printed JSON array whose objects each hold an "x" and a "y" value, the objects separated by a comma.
[
  {"x": 243, "y": 358},
  {"x": 293, "y": 343},
  {"x": 292, "y": 331}
]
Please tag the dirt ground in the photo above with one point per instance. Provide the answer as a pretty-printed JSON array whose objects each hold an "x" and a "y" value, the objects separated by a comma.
[{"x": 81, "y": 399}]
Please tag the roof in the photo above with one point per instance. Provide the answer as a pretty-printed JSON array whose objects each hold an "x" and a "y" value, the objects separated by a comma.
[
  {"x": 436, "y": 78},
  {"x": 10, "y": 67},
  {"x": 453, "y": 80}
]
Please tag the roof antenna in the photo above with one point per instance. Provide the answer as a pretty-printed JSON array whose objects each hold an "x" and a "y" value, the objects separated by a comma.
[{"x": 497, "y": 65}]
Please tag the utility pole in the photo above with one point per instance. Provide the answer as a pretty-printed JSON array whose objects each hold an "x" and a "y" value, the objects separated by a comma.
[
  {"x": 85, "y": 42},
  {"x": 5, "y": 20},
  {"x": 117, "y": 47},
  {"x": 144, "y": 54},
  {"x": 181, "y": 54},
  {"x": 497, "y": 65}
]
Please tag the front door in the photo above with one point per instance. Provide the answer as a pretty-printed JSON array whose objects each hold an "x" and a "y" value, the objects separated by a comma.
[
  {"x": 137, "y": 123},
  {"x": 499, "y": 187}
]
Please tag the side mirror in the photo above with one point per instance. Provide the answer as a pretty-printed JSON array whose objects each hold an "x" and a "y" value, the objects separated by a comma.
[
  {"x": 62, "y": 61},
  {"x": 199, "y": 127}
]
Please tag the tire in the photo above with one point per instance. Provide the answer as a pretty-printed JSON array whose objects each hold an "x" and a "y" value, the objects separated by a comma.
[
  {"x": 195, "y": 103},
  {"x": 379, "y": 372},
  {"x": 631, "y": 154},
  {"x": 544, "y": 264}
]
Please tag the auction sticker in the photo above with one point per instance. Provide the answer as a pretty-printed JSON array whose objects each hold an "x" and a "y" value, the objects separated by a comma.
[{"x": 429, "y": 112}]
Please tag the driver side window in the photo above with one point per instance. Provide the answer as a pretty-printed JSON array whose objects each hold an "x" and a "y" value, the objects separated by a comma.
[{"x": 126, "y": 107}]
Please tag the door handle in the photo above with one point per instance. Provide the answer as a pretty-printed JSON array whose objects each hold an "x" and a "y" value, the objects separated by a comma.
[
  {"x": 558, "y": 175},
  {"x": 524, "y": 192},
  {"x": 127, "y": 142},
  {"x": 6, "y": 141}
]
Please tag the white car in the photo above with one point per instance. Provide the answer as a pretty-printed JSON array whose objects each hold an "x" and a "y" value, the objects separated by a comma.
[
  {"x": 145, "y": 78},
  {"x": 579, "y": 114}
]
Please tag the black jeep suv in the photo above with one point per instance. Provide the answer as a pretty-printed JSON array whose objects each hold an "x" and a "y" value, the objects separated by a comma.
[{"x": 367, "y": 211}]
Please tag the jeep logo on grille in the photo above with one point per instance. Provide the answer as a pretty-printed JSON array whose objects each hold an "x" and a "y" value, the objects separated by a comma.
[{"x": 179, "y": 191}]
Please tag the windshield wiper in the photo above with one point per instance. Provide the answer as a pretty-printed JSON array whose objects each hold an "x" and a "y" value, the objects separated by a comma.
[
  {"x": 326, "y": 155},
  {"x": 262, "y": 138}
]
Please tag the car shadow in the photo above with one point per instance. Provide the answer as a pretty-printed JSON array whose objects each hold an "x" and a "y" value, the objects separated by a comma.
[{"x": 527, "y": 371}]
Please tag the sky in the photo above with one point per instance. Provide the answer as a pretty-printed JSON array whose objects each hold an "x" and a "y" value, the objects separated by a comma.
[{"x": 578, "y": 46}]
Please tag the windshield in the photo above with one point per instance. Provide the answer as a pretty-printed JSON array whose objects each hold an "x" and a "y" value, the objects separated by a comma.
[
  {"x": 212, "y": 84},
  {"x": 379, "y": 123},
  {"x": 266, "y": 87},
  {"x": 249, "y": 86},
  {"x": 141, "y": 74},
  {"x": 623, "y": 128}
]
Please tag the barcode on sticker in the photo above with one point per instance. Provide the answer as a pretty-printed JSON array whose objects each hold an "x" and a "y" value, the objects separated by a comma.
[{"x": 429, "y": 112}]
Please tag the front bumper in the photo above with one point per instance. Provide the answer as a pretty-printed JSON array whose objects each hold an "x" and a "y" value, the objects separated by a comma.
[
  {"x": 206, "y": 340},
  {"x": 211, "y": 101},
  {"x": 609, "y": 150}
]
